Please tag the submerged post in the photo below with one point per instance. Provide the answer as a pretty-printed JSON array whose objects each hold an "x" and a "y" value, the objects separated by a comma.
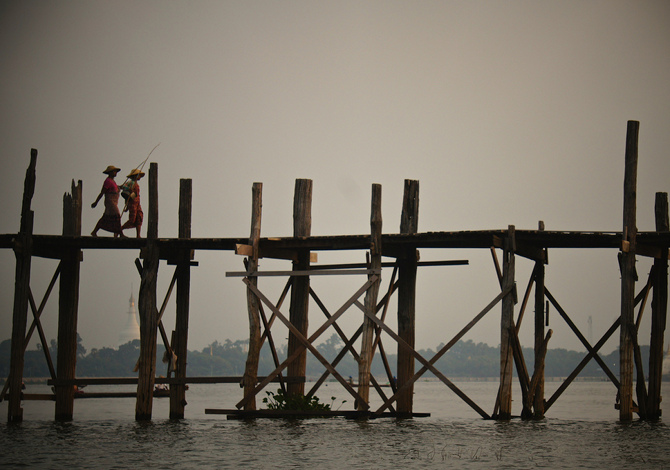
[
  {"x": 371, "y": 296},
  {"x": 506, "y": 324},
  {"x": 302, "y": 227},
  {"x": 253, "y": 304},
  {"x": 147, "y": 307},
  {"x": 659, "y": 310},
  {"x": 407, "y": 264},
  {"x": 628, "y": 274},
  {"x": 68, "y": 305},
  {"x": 23, "y": 253},
  {"x": 178, "y": 391}
]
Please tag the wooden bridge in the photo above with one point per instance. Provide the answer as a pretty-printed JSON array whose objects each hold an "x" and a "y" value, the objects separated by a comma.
[{"x": 373, "y": 332}]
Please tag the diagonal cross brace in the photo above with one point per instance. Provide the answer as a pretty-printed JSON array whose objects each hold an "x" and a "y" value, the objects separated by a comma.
[
  {"x": 582, "y": 364},
  {"x": 584, "y": 341},
  {"x": 307, "y": 342},
  {"x": 40, "y": 332},
  {"x": 428, "y": 365},
  {"x": 37, "y": 313},
  {"x": 348, "y": 344}
]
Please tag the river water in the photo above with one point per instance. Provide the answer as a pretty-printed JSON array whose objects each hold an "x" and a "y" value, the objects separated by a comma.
[{"x": 581, "y": 430}]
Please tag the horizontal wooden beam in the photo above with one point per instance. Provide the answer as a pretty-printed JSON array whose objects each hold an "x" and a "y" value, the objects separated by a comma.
[
  {"x": 650, "y": 251},
  {"x": 291, "y": 255},
  {"x": 391, "y": 243},
  {"x": 160, "y": 380},
  {"x": 308, "y": 272},
  {"x": 241, "y": 414}
]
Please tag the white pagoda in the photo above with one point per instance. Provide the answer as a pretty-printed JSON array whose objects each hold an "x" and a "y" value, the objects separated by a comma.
[{"x": 132, "y": 328}]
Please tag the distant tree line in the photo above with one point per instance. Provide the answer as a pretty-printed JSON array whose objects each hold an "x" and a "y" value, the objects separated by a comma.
[{"x": 464, "y": 359}]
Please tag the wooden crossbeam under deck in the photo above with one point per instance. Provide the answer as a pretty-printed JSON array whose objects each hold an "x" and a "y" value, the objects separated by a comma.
[{"x": 162, "y": 380}]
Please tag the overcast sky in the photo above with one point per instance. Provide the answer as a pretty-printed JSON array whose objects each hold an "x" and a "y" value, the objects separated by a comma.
[{"x": 507, "y": 112}]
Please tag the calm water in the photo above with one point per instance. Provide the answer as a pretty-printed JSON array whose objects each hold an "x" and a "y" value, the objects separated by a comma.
[{"x": 580, "y": 431}]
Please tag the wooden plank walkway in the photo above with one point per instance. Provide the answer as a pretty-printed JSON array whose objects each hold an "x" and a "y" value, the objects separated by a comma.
[{"x": 50, "y": 245}]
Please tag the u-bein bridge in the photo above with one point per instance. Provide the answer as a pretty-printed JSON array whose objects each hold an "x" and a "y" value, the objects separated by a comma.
[{"x": 373, "y": 333}]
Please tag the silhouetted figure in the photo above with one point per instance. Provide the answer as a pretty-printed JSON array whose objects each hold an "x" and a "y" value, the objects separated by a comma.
[{"x": 111, "y": 218}]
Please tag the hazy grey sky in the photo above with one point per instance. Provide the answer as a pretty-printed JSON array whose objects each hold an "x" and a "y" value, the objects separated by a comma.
[{"x": 507, "y": 112}]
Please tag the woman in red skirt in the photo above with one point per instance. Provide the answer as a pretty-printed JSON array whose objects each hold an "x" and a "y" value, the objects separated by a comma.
[
  {"x": 135, "y": 214},
  {"x": 111, "y": 218}
]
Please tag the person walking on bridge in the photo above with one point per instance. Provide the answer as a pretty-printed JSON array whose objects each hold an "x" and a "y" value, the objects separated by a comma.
[
  {"x": 111, "y": 218},
  {"x": 135, "y": 214}
]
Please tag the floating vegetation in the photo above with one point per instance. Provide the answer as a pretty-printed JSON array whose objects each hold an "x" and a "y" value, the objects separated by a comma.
[{"x": 295, "y": 402}]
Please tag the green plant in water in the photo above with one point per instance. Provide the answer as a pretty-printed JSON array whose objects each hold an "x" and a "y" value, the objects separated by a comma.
[{"x": 285, "y": 402}]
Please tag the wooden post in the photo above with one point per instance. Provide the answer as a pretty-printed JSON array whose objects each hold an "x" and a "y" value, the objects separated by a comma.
[
  {"x": 371, "y": 297},
  {"x": 540, "y": 349},
  {"x": 23, "y": 253},
  {"x": 180, "y": 342},
  {"x": 407, "y": 263},
  {"x": 506, "y": 323},
  {"x": 628, "y": 274},
  {"x": 659, "y": 310},
  {"x": 147, "y": 307},
  {"x": 68, "y": 305},
  {"x": 302, "y": 227},
  {"x": 253, "y": 304}
]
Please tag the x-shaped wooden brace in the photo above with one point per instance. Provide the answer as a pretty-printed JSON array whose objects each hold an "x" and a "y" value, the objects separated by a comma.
[
  {"x": 37, "y": 313},
  {"x": 584, "y": 341},
  {"x": 348, "y": 343},
  {"x": 267, "y": 324},
  {"x": 306, "y": 342},
  {"x": 348, "y": 346},
  {"x": 593, "y": 351},
  {"x": 428, "y": 365}
]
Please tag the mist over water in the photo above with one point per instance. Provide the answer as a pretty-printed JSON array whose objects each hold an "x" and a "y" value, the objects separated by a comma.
[{"x": 581, "y": 430}]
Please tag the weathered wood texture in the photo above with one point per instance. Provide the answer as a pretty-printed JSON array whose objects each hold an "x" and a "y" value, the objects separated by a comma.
[
  {"x": 628, "y": 273},
  {"x": 147, "y": 307},
  {"x": 299, "y": 308},
  {"x": 371, "y": 295},
  {"x": 659, "y": 310},
  {"x": 68, "y": 304},
  {"x": 49, "y": 246},
  {"x": 180, "y": 344},
  {"x": 253, "y": 304},
  {"x": 23, "y": 252},
  {"x": 506, "y": 324},
  {"x": 407, "y": 260},
  {"x": 540, "y": 344}
]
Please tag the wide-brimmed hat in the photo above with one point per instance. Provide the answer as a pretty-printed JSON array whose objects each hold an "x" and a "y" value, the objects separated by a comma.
[
  {"x": 110, "y": 169},
  {"x": 135, "y": 172}
]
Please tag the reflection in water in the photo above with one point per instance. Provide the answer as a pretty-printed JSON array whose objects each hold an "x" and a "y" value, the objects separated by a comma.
[{"x": 576, "y": 434}]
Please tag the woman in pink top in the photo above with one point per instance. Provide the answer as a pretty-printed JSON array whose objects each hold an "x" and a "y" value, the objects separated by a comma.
[{"x": 111, "y": 218}]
